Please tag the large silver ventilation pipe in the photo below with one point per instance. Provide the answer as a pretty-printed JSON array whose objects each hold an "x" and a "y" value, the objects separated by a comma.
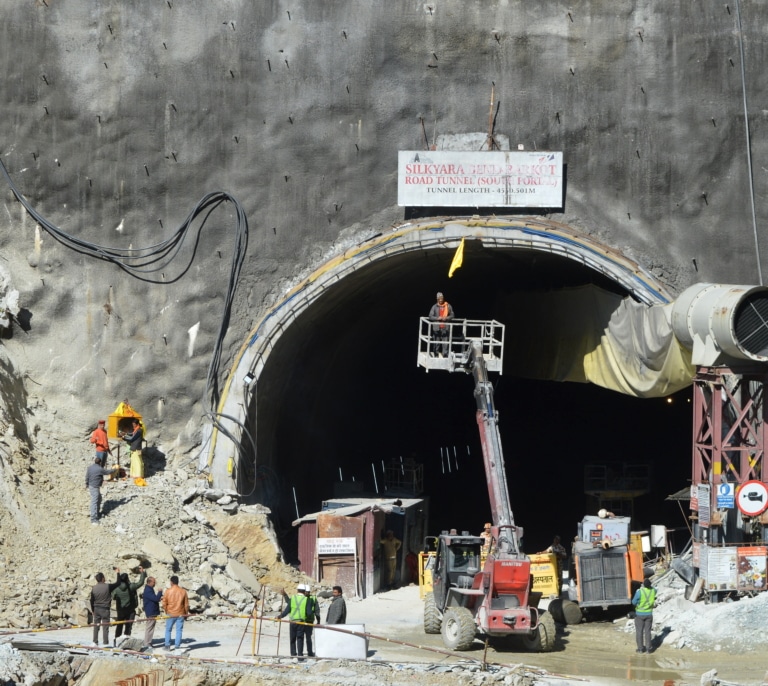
[{"x": 722, "y": 323}]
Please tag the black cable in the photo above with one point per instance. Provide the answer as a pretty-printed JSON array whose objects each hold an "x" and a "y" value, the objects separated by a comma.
[{"x": 141, "y": 261}]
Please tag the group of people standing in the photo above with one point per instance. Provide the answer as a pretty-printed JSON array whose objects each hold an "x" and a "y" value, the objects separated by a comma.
[
  {"x": 134, "y": 438},
  {"x": 124, "y": 592}
]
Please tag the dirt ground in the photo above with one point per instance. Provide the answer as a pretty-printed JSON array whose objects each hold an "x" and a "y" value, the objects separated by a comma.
[{"x": 595, "y": 652}]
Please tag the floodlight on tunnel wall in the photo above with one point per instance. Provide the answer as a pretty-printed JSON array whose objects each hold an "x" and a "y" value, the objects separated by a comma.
[
  {"x": 248, "y": 379},
  {"x": 722, "y": 324}
]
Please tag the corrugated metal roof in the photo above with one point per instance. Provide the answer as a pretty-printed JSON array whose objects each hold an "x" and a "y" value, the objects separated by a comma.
[
  {"x": 349, "y": 507},
  {"x": 682, "y": 494}
]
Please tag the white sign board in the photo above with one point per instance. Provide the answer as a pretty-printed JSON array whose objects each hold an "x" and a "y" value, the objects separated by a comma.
[
  {"x": 336, "y": 546},
  {"x": 721, "y": 569},
  {"x": 705, "y": 510},
  {"x": 446, "y": 178}
]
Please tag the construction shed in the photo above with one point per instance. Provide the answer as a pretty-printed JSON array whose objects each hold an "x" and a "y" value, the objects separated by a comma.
[{"x": 341, "y": 544}]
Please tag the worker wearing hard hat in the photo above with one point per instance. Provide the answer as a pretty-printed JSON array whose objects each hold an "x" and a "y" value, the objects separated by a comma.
[
  {"x": 440, "y": 314},
  {"x": 303, "y": 611}
]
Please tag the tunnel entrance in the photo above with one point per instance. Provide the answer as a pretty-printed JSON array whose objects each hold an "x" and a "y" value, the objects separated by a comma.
[{"x": 340, "y": 394}]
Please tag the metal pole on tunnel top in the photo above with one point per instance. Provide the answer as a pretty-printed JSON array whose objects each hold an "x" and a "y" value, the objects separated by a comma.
[
  {"x": 296, "y": 502},
  {"x": 402, "y": 468},
  {"x": 375, "y": 483},
  {"x": 442, "y": 461},
  {"x": 455, "y": 458},
  {"x": 448, "y": 459},
  {"x": 341, "y": 478}
]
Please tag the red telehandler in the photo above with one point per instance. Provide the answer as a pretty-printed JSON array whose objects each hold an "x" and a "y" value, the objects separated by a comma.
[{"x": 467, "y": 600}]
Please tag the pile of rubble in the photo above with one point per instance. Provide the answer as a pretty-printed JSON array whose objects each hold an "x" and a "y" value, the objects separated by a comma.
[
  {"x": 225, "y": 554},
  {"x": 732, "y": 626}
]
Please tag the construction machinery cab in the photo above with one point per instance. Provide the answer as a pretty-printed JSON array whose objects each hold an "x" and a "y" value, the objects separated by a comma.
[{"x": 457, "y": 563}]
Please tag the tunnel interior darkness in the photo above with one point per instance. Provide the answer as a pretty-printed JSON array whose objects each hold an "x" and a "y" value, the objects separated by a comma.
[{"x": 341, "y": 392}]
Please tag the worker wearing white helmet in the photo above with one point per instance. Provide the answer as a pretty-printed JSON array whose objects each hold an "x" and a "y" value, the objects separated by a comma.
[{"x": 302, "y": 610}]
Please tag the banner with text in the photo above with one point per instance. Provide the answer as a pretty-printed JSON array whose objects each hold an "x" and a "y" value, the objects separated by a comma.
[
  {"x": 445, "y": 178},
  {"x": 336, "y": 546}
]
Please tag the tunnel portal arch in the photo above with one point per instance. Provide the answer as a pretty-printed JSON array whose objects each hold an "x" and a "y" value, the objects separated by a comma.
[{"x": 237, "y": 411}]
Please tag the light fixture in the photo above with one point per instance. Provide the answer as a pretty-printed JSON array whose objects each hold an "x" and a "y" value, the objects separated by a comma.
[{"x": 248, "y": 379}]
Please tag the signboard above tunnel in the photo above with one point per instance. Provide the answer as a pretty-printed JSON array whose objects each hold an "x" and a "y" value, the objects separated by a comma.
[{"x": 443, "y": 178}]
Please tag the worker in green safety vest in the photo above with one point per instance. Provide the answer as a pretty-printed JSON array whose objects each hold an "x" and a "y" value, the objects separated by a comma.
[
  {"x": 643, "y": 600},
  {"x": 303, "y": 611}
]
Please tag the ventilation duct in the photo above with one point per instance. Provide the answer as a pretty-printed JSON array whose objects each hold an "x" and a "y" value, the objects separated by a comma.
[{"x": 722, "y": 324}]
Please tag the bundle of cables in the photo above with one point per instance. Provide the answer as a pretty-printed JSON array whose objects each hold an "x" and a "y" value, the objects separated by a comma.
[{"x": 143, "y": 263}]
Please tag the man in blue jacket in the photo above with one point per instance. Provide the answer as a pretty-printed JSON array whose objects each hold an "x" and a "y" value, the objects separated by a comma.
[
  {"x": 151, "y": 599},
  {"x": 643, "y": 600}
]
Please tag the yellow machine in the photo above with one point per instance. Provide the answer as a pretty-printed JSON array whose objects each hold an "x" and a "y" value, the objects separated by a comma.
[
  {"x": 547, "y": 575},
  {"x": 425, "y": 572}
]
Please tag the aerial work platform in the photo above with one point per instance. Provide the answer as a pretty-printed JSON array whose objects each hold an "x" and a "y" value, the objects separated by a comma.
[{"x": 451, "y": 353}]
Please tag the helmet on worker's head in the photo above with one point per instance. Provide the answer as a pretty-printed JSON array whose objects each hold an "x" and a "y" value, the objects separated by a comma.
[{"x": 602, "y": 513}]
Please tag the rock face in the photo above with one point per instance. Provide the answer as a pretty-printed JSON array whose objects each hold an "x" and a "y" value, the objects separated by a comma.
[{"x": 303, "y": 117}]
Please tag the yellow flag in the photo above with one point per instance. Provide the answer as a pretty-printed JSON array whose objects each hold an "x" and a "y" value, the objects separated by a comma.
[{"x": 458, "y": 259}]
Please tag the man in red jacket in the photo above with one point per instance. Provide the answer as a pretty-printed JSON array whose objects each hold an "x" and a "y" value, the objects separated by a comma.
[{"x": 100, "y": 440}]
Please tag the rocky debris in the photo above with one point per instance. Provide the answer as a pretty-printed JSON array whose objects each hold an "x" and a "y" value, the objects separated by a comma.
[
  {"x": 61, "y": 669},
  {"x": 227, "y": 559},
  {"x": 9, "y": 300},
  {"x": 35, "y": 668},
  {"x": 733, "y": 626}
]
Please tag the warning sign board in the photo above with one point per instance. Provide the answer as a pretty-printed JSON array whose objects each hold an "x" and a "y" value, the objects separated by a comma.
[{"x": 752, "y": 498}]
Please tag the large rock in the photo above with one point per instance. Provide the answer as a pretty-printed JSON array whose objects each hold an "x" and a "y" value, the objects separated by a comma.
[
  {"x": 230, "y": 590},
  {"x": 219, "y": 559},
  {"x": 244, "y": 576},
  {"x": 251, "y": 538},
  {"x": 158, "y": 551}
]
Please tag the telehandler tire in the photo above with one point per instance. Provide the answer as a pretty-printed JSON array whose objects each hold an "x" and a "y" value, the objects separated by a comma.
[
  {"x": 432, "y": 619},
  {"x": 572, "y": 612},
  {"x": 458, "y": 628},
  {"x": 542, "y": 638},
  {"x": 555, "y": 608}
]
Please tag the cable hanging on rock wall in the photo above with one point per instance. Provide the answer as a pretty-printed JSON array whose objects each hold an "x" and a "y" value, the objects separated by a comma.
[{"x": 144, "y": 263}]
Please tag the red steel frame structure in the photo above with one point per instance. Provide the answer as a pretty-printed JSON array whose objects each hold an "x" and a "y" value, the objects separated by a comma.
[{"x": 729, "y": 428}]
